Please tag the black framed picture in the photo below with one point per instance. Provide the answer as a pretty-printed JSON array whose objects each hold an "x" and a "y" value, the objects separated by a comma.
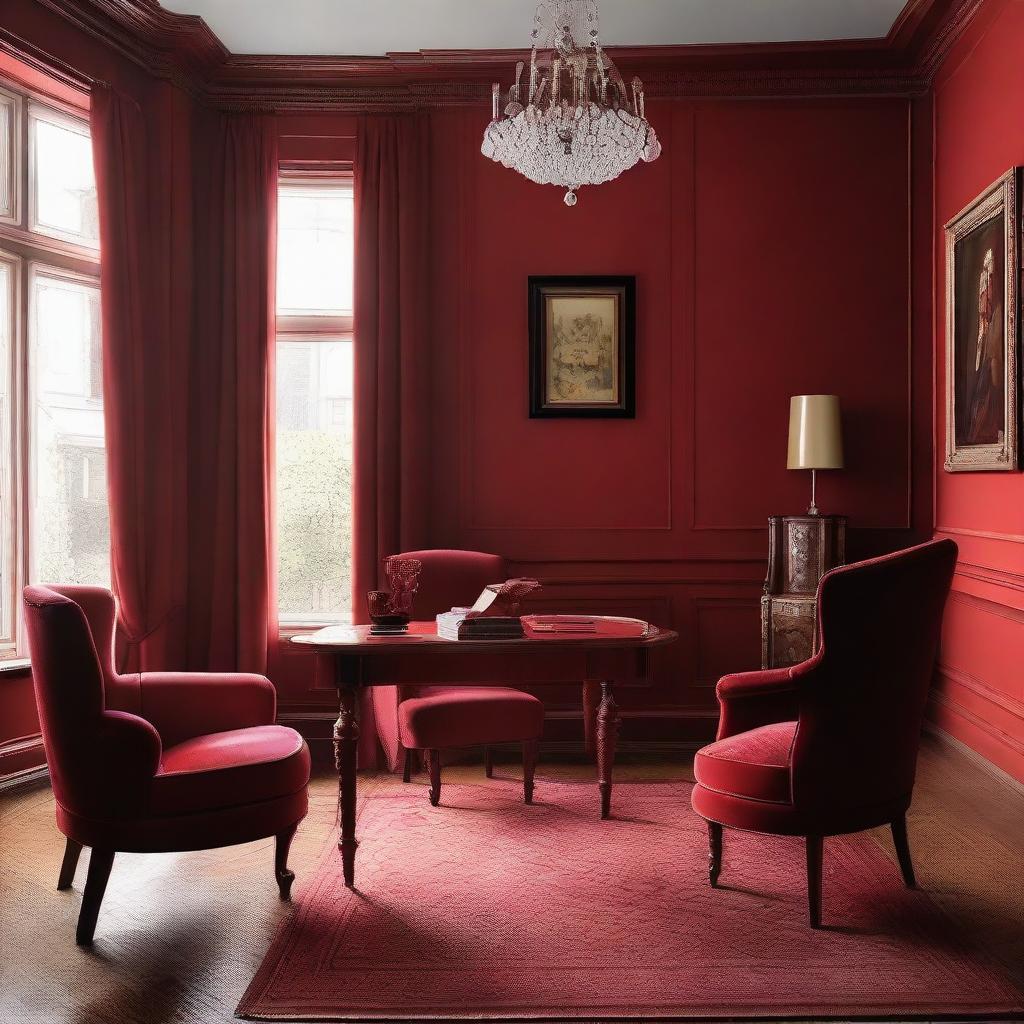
[{"x": 582, "y": 347}]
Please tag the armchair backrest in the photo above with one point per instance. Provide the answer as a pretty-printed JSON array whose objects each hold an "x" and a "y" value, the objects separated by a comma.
[
  {"x": 862, "y": 706},
  {"x": 67, "y": 675},
  {"x": 451, "y": 579},
  {"x": 101, "y": 755}
]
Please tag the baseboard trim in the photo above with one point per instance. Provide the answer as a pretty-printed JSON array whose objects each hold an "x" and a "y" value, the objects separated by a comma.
[
  {"x": 974, "y": 757},
  {"x": 20, "y": 755},
  {"x": 24, "y": 779}
]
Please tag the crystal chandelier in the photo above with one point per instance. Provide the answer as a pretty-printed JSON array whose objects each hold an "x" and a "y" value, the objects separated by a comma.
[{"x": 572, "y": 122}]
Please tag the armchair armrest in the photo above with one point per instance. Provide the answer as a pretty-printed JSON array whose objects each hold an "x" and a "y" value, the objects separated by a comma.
[
  {"x": 183, "y": 705},
  {"x": 122, "y": 757},
  {"x": 749, "y": 700}
]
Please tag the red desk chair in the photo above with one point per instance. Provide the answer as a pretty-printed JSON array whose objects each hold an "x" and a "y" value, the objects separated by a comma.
[
  {"x": 432, "y": 718},
  {"x": 154, "y": 762},
  {"x": 829, "y": 746}
]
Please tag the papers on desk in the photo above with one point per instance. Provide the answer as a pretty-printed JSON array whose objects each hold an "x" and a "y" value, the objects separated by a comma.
[
  {"x": 448, "y": 623},
  {"x": 584, "y": 625},
  {"x": 561, "y": 623}
]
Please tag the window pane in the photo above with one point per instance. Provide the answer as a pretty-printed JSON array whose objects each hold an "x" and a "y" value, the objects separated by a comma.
[
  {"x": 64, "y": 188},
  {"x": 314, "y": 480},
  {"x": 68, "y": 515},
  {"x": 7, "y": 581},
  {"x": 314, "y": 250}
]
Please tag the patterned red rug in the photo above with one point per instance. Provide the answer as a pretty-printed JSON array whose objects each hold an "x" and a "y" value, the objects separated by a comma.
[{"x": 486, "y": 908}]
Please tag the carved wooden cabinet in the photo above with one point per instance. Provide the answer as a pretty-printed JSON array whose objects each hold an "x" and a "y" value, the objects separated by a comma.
[{"x": 801, "y": 549}]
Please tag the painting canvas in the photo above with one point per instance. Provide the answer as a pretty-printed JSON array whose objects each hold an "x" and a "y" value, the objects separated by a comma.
[
  {"x": 582, "y": 346},
  {"x": 981, "y": 399}
]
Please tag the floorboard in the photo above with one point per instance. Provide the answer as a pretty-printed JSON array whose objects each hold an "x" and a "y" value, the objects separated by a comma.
[{"x": 181, "y": 935}]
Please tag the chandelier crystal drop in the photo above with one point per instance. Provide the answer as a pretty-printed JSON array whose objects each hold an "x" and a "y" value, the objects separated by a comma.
[{"x": 572, "y": 121}]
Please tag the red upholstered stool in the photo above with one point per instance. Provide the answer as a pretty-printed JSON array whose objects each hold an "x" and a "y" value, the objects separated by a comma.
[
  {"x": 432, "y": 718},
  {"x": 829, "y": 746},
  {"x": 443, "y": 716}
]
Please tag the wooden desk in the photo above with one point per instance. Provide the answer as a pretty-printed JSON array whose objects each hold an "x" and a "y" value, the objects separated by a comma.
[{"x": 357, "y": 660}]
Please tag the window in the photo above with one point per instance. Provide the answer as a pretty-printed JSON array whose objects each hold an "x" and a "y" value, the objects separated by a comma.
[
  {"x": 70, "y": 534},
  {"x": 63, "y": 192},
  {"x": 314, "y": 400},
  {"x": 54, "y": 524}
]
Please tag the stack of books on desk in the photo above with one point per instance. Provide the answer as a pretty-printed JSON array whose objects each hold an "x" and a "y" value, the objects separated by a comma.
[{"x": 491, "y": 627}]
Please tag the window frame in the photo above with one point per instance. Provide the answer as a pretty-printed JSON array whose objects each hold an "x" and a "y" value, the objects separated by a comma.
[
  {"x": 17, "y": 104},
  {"x": 30, "y": 253},
  {"x": 11, "y": 535},
  {"x": 315, "y": 328}
]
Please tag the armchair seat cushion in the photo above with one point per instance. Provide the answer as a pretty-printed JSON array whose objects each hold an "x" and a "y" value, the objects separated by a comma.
[
  {"x": 752, "y": 765},
  {"x": 226, "y": 769},
  {"x": 444, "y": 716}
]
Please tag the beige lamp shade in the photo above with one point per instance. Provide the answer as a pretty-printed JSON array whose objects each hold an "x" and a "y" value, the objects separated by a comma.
[{"x": 815, "y": 432}]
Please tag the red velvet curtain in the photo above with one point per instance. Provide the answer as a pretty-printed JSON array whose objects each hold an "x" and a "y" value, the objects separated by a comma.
[
  {"x": 230, "y": 577},
  {"x": 392, "y": 331},
  {"x": 144, "y": 383}
]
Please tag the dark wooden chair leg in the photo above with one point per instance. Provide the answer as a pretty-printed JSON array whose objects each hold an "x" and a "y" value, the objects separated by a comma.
[
  {"x": 407, "y": 769},
  {"x": 815, "y": 850},
  {"x": 435, "y": 777},
  {"x": 714, "y": 852},
  {"x": 488, "y": 763},
  {"x": 100, "y": 863},
  {"x": 899, "y": 837},
  {"x": 529, "y": 765},
  {"x": 68, "y": 865},
  {"x": 281, "y": 872}
]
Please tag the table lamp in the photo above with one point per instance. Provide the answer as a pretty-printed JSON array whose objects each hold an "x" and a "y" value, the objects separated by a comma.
[{"x": 815, "y": 437}]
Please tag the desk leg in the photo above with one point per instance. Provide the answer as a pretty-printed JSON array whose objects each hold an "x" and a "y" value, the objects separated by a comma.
[
  {"x": 607, "y": 733},
  {"x": 346, "y": 738},
  {"x": 591, "y": 699}
]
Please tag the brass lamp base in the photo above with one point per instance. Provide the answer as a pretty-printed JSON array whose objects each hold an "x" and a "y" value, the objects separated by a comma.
[{"x": 812, "y": 509}]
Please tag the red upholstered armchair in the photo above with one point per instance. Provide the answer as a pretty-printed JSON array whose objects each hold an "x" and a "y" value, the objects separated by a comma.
[
  {"x": 829, "y": 746},
  {"x": 154, "y": 761},
  {"x": 432, "y": 718}
]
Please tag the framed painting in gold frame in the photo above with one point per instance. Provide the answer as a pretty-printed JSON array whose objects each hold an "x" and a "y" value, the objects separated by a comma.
[
  {"x": 982, "y": 280},
  {"x": 582, "y": 347}
]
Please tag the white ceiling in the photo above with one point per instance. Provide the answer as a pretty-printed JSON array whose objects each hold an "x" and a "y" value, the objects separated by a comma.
[{"x": 374, "y": 27}]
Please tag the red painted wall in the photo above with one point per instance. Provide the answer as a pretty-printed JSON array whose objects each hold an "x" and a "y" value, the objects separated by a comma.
[
  {"x": 771, "y": 249},
  {"x": 979, "y": 134},
  {"x": 772, "y": 245}
]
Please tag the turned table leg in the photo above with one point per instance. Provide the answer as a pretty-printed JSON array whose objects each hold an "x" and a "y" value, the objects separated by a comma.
[
  {"x": 591, "y": 699},
  {"x": 607, "y": 733},
  {"x": 346, "y": 738}
]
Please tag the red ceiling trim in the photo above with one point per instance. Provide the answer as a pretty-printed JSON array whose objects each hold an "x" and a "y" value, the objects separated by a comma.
[{"x": 184, "y": 49}]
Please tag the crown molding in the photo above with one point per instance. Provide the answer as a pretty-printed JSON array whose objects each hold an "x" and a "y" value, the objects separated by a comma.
[{"x": 183, "y": 49}]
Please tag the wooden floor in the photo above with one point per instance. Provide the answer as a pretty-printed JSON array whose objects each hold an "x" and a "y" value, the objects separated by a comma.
[{"x": 181, "y": 935}]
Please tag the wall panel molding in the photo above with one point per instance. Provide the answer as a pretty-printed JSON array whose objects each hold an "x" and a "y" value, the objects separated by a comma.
[
  {"x": 961, "y": 531},
  {"x": 981, "y": 690},
  {"x": 987, "y": 605},
  {"x": 1011, "y": 744}
]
